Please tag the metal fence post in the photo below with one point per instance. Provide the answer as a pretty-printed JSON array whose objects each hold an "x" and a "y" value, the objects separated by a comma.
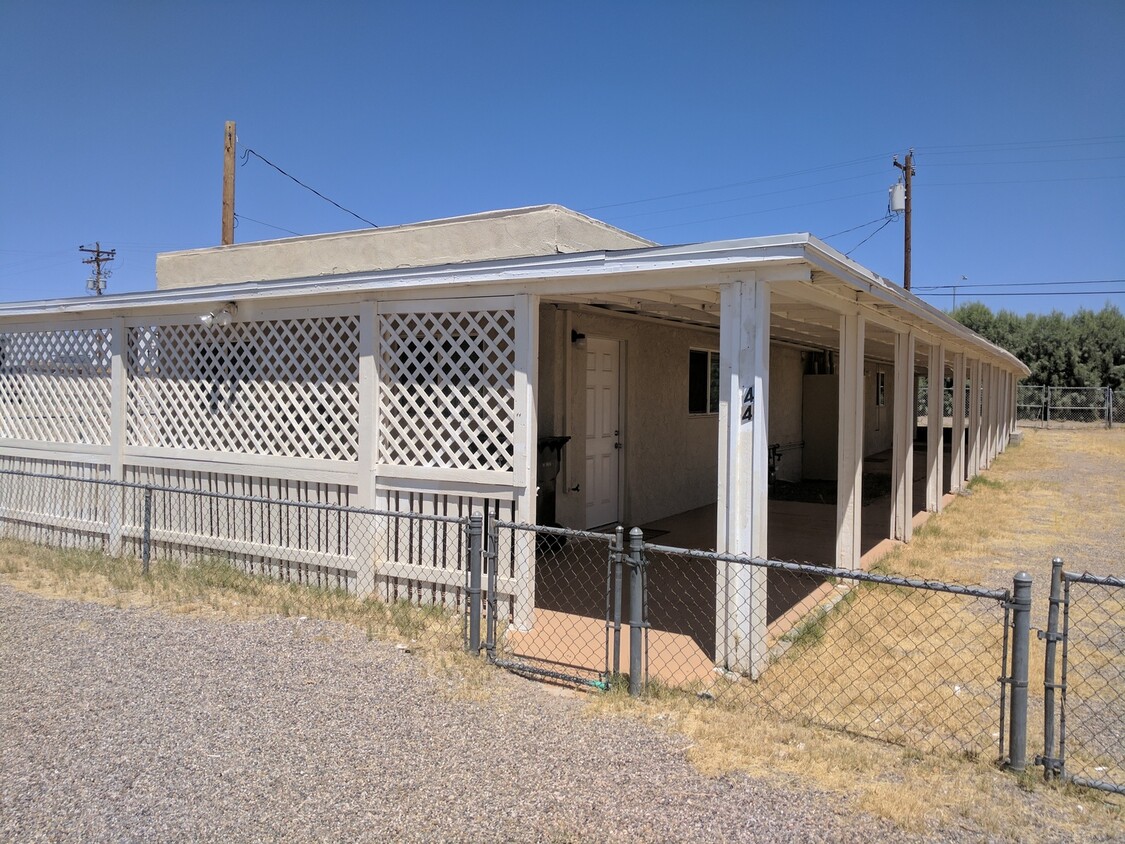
[
  {"x": 1109, "y": 407},
  {"x": 1051, "y": 763},
  {"x": 636, "y": 609},
  {"x": 618, "y": 593},
  {"x": 146, "y": 541},
  {"x": 476, "y": 532},
  {"x": 491, "y": 554},
  {"x": 1021, "y": 628}
]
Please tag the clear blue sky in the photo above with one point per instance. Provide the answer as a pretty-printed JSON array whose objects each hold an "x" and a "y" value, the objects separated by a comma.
[{"x": 680, "y": 121}]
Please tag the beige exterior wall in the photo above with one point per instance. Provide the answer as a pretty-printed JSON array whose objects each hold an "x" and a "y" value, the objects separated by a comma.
[
  {"x": 519, "y": 233},
  {"x": 669, "y": 455}
]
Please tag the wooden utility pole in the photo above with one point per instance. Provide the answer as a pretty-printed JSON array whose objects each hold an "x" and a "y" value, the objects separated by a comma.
[
  {"x": 229, "y": 143},
  {"x": 98, "y": 256},
  {"x": 907, "y": 171}
]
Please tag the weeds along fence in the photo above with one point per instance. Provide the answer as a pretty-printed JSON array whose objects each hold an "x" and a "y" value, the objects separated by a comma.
[
  {"x": 929, "y": 665},
  {"x": 919, "y": 663},
  {"x": 1061, "y": 407},
  {"x": 1084, "y": 680},
  {"x": 304, "y": 557}
]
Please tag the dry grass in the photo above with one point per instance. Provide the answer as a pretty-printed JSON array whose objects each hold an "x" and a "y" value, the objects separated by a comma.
[
  {"x": 1018, "y": 516},
  {"x": 212, "y": 588}
]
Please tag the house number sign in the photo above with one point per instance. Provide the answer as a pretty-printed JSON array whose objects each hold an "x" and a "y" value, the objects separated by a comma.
[{"x": 748, "y": 406}]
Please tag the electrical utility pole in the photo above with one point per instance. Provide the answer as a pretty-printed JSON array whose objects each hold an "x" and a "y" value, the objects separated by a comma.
[
  {"x": 98, "y": 256},
  {"x": 230, "y": 141},
  {"x": 907, "y": 172}
]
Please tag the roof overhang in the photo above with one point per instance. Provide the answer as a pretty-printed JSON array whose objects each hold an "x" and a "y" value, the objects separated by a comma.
[{"x": 801, "y": 265}]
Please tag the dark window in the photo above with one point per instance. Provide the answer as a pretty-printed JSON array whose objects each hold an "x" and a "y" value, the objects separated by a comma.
[{"x": 703, "y": 381}]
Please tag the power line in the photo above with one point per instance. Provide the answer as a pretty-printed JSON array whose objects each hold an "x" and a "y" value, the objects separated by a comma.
[
  {"x": 1021, "y": 284},
  {"x": 855, "y": 228},
  {"x": 741, "y": 198},
  {"x": 739, "y": 184},
  {"x": 248, "y": 152},
  {"x": 752, "y": 213},
  {"x": 974, "y": 294},
  {"x": 888, "y": 221},
  {"x": 263, "y": 223},
  {"x": 952, "y": 149}
]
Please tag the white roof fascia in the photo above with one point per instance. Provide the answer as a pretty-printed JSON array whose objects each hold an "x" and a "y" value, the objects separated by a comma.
[
  {"x": 566, "y": 266},
  {"x": 863, "y": 280},
  {"x": 719, "y": 255}
]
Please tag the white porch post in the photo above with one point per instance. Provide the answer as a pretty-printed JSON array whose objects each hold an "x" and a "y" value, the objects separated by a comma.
[
  {"x": 363, "y": 536},
  {"x": 974, "y": 418},
  {"x": 849, "y": 466},
  {"x": 935, "y": 423},
  {"x": 740, "y": 601},
  {"x": 524, "y": 451},
  {"x": 987, "y": 414},
  {"x": 118, "y": 349},
  {"x": 957, "y": 453},
  {"x": 902, "y": 472}
]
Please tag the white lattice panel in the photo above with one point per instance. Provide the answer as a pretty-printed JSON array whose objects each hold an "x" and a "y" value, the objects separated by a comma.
[
  {"x": 55, "y": 386},
  {"x": 285, "y": 388},
  {"x": 446, "y": 398}
]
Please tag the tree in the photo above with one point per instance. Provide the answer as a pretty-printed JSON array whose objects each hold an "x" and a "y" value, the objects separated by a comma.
[{"x": 1083, "y": 350}]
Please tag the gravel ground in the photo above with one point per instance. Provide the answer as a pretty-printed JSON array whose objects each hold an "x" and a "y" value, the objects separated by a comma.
[{"x": 131, "y": 725}]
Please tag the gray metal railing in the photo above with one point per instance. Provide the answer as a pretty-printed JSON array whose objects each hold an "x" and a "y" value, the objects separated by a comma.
[
  {"x": 1084, "y": 702},
  {"x": 1060, "y": 407}
]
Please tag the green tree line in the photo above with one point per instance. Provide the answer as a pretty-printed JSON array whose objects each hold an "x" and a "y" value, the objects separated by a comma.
[{"x": 1086, "y": 349}]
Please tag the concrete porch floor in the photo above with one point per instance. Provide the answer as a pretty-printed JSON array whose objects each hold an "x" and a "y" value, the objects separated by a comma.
[{"x": 570, "y": 633}]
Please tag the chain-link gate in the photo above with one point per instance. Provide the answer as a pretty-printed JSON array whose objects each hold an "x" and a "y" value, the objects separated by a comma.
[
  {"x": 572, "y": 594},
  {"x": 1084, "y": 702},
  {"x": 1031, "y": 405}
]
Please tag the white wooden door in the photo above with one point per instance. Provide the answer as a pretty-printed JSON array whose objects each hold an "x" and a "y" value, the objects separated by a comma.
[{"x": 603, "y": 431}]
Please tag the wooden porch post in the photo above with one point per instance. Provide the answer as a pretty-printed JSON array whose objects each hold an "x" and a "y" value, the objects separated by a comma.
[
  {"x": 902, "y": 473},
  {"x": 118, "y": 349},
  {"x": 740, "y": 601},
  {"x": 363, "y": 538},
  {"x": 935, "y": 423},
  {"x": 849, "y": 466},
  {"x": 524, "y": 452},
  {"x": 975, "y": 371},
  {"x": 957, "y": 453}
]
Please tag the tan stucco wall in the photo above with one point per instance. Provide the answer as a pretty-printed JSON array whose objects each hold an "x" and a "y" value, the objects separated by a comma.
[
  {"x": 787, "y": 368},
  {"x": 494, "y": 235},
  {"x": 669, "y": 455}
]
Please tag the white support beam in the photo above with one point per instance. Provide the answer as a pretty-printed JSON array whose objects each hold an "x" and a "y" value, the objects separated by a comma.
[
  {"x": 740, "y": 600},
  {"x": 987, "y": 415},
  {"x": 524, "y": 451},
  {"x": 935, "y": 424},
  {"x": 902, "y": 471},
  {"x": 118, "y": 349},
  {"x": 849, "y": 466},
  {"x": 972, "y": 468},
  {"x": 957, "y": 442},
  {"x": 363, "y": 527}
]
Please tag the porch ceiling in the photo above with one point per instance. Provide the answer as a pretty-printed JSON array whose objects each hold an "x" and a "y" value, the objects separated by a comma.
[{"x": 792, "y": 320}]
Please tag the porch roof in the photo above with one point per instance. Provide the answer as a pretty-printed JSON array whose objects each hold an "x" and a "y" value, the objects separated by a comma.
[{"x": 813, "y": 282}]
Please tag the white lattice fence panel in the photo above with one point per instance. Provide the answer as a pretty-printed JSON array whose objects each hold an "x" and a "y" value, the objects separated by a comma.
[
  {"x": 55, "y": 386},
  {"x": 285, "y": 388},
  {"x": 447, "y": 397}
]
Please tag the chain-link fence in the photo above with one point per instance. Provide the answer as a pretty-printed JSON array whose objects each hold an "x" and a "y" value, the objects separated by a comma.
[
  {"x": 1069, "y": 407},
  {"x": 397, "y": 573},
  {"x": 1084, "y": 690},
  {"x": 925, "y": 664},
  {"x": 919, "y": 663}
]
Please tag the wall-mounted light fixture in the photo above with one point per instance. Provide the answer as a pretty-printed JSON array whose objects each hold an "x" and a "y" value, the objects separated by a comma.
[
  {"x": 579, "y": 340},
  {"x": 222, "y": 317}
]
